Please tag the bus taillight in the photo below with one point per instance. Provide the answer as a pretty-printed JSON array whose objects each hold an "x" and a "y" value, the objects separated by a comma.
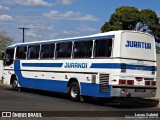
[
  {"x": 130, "y": 82},
  {"x": 153, "y": 83},
  {"x": 147, "y": 82},
  {"x": 122, "y": 82}
]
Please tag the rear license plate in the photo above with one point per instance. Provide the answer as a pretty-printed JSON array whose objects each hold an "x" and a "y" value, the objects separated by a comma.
[{"x": 140, "y": 90}]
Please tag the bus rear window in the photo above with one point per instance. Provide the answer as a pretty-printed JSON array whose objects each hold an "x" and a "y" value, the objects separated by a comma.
[{"x": 103, "y": 48}]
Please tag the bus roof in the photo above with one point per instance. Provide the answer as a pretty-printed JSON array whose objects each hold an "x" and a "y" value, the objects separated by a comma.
[{"x": 110, "y": 34}]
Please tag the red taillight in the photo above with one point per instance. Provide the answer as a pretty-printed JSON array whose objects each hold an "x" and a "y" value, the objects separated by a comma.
[
  {"x": 122, "y": 82},
  {"x": 147, "y": 82},
  {"x": 138, "y": 79},
  {"x": 153, "y": 83},
  {"x": 130, "y": 82}
]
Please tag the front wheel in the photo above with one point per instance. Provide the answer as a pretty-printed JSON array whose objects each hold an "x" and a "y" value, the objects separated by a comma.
[
  {"x": 74, "y": 91},
  {"x": 15, "y": 84}
]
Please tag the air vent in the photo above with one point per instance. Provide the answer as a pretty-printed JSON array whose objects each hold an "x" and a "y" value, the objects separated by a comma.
[{"x": 103, "y": 83}]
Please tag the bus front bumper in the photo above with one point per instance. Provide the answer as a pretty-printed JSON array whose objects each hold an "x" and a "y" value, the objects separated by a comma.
[{"x": 130, "y": 91}]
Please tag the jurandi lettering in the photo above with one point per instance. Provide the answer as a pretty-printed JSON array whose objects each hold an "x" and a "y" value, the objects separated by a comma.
[{"x": 75, "y": 65}]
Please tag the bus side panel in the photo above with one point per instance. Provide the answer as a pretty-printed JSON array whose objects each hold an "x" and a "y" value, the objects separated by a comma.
[
  {"x": 50, "y": 85},
  {"x": 87, "y": 89}
]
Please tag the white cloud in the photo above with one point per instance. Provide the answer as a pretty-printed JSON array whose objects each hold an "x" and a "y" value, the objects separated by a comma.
[
  {"x": 6, "y": 18},
  {"x": 87, "y": 29},
  {"x": 40, "y": 27},
  {"x": 65, "y": 2},
  {"x": 70, "y": 15},
  {"x": 31, "y": 33},
  {"x": 3, "y": 8},
  {"x": 54, "y": 36},
  {"x": 70, "y": 32},
  {"x": 79, "y": 30},
  {"x": 41, "y": 3}
]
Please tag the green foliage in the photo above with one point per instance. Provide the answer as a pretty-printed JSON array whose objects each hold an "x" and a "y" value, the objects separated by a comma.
[
  {"x": 125, "y": 18},
  {"x": 5, "y": 40},
  {"x": 149, "y": 18},
  {"x": 157, "y": 48}
]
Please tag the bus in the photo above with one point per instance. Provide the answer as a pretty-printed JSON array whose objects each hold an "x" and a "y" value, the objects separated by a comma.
[{"x": 105, "y": 65}]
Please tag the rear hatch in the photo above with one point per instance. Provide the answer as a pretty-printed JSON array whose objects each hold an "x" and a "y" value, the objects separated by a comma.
[{"x": 138, "y": 58}]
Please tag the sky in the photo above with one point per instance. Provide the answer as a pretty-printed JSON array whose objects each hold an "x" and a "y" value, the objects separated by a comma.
[{"x": 52, "y": 19}]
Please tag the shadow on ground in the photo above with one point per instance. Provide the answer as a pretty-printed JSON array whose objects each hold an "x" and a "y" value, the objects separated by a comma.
[
  {"x": 123, "y": 103},
  {"x": 120, "y": 103}
]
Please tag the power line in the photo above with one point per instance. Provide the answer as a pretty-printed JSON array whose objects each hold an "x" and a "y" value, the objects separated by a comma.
[{"x": 17, "y": 4}]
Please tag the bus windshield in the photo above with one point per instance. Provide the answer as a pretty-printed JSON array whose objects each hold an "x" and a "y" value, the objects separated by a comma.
[{"x": 8, "y": 57}]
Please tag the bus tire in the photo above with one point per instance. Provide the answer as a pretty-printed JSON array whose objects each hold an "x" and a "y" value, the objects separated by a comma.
[
  {"x": 74, "y": 91},
  {"x": 15, "y": 84}
]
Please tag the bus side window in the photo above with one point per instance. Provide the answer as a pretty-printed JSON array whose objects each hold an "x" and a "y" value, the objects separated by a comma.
[
  {"x": 83, "y": 49},
  {"x": 64, "y": 50},
  {"x": 33, "y": 52},
  {"x": 21, "y": 52},
  {"x": 47, "y": 51},
  {"x": 103, "y": 48}
]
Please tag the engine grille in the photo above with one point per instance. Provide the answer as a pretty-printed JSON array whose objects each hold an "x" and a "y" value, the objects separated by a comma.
[{"x": 103, "y": 83}]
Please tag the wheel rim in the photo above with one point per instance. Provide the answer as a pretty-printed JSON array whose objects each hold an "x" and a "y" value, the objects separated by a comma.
[
  {"x": 74, "y": 91},
  {"x": 15, "y": 84}
]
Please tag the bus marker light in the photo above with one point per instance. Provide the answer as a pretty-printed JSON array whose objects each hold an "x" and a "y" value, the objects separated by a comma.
[
  {"x": 66, "y": 77},
  {"x": 88, "y": 79}
]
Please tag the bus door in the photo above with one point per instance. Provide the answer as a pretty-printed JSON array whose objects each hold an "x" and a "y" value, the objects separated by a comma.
[{"x": 8, "y": 58}]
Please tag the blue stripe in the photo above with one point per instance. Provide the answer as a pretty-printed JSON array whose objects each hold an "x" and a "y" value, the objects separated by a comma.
[
  {"x": 106, "y": 65},
  {"x": 42, "y": 64},
  {"x": 118, "y": 66},
  {"x": 141, "y": 67},
  {"x": 96, "y": 65}
]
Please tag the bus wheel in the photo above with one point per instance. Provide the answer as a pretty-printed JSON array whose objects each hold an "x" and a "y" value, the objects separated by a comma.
[
  {"x": 74, "y": 91},
  {"x": 15, "y": 84}
]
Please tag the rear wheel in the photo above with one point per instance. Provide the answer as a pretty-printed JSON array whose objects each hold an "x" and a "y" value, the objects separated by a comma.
[
  {"x": 15, "y": 84},
  {"x": 74, "y": 91}
]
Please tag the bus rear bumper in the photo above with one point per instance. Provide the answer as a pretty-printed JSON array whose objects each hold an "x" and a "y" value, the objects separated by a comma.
[{"x": 129, "y": 91}]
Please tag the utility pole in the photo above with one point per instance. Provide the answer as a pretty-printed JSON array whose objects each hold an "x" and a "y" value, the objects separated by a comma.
[{"x": 23, "y": 28}]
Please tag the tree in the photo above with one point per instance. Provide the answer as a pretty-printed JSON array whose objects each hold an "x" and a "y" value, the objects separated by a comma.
[
  {"x": 125, "y": 18},
  {"x": 5, "y": 40}
]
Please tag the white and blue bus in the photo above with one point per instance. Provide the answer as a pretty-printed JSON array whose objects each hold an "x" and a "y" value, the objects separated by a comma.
[{"x": 105, "y": 65}]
